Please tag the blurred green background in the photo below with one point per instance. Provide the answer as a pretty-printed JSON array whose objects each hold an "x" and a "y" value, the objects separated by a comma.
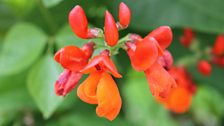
[{"x": 32, "y": 30}]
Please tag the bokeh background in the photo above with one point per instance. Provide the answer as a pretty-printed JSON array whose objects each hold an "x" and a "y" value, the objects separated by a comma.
[{"x": 32, "y": 30}]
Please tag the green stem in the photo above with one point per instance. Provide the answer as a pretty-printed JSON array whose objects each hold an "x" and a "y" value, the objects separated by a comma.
[{"x": 47, "y": 16}]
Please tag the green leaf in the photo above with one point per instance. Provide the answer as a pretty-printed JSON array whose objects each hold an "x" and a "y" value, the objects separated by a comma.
[
  {"x": 51, "y": 3},
  {"x": 141, "y": 108},
  {"x": 203, "y": 15},
  {"x": 41, "y": 81},
  {"x": 14, "y": 97},
  {"x": 22, "y": 46},
  {"x": 208, "y": 106}
]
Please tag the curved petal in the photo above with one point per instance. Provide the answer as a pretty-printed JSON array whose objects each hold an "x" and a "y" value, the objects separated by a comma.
[
  {"x": 159, "y": 80},
  {"x": 163, "y": 35},
  {"x": 145, "y": 54},
  {"x": 104, "y": 63},
  {"x": 109, "y": 100},
  {"x": 87, "y": 90},
  {"x": 72, "y": 58}
]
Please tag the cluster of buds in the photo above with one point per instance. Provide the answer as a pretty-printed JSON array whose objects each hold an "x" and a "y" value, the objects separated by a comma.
[
  {"x": 147, "y": 54},
  {"x": 215, "y": 55}
]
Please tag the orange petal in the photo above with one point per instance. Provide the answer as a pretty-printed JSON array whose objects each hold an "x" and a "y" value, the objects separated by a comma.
[
  {"x": 145, "y": 55},
  {"x": 109, "y": 100},
  {"x": 179, "y": 100},
  {"x": 87, "y": 90},
  {"x": 159, "y": 80}
]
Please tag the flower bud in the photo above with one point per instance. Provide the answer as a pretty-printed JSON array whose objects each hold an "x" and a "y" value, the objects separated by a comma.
[
  {"x": 78, "y": 22},
  {"x": 218, "y": 48},
  {"x": 124, "y": 15},
  {"x": 110, "y": 29},
  {"x": 204, "y": 68}
]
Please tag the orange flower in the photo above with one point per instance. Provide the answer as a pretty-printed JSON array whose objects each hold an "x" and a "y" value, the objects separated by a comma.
[
  {"x": 73, "y": 59},
  {"x": 99, "y": 88},
  {"x": 179, "y": 99}
]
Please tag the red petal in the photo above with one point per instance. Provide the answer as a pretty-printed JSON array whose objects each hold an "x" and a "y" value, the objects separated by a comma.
[
  {"x": 110, "y": 29},
  {"x": 163, "y": 35},
  {"x": 78, "y": 22},
  {"x": 218, "y": 48},
  {"x": 145, "y": 55},
  {"x": 67, "y": 82},
  {"x": 105, "y": 64},
  {"x": 72, "y": 58},
  {"x": 124, "y": 14},
  {"x": 108, "y": 96},
  {"x": 159, "y": 80},
  {"x": 166, "y": 60}
]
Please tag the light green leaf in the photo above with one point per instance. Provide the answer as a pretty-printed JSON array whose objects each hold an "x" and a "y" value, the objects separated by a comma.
[
  {"x": 41, "y": 81},
  {"x": 141, "y": 108},
  {"x": 208, "y": 106},
  {"x": 203, "y": 15},
  {"x": 22, "y": 46},
  {"x": 51, "y": 3}
]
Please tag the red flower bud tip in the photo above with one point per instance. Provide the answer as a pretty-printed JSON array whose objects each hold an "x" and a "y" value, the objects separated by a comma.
[
  {"x": 163, "y": 35},
  {"x": 78, "y": 22},
  {"x": 124, "y": 15},
  {"x": 88, "y": 49},
  {"x": 204, "y": 67},
  {"x": 218, "y": 48},
  {"x": 110, "y": 29},
  {"x": 67, "y": 82},
  {"x": 187, "y": 38}
]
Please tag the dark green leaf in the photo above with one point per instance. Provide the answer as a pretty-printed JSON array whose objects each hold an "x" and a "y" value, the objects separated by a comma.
[
  {"x": 203, "y": 15},
  {"x": 41, "y": 81},
  {"x": 22, "y": 46}
]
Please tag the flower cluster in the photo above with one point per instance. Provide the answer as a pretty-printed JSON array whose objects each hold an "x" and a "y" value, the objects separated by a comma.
[
  {"x": 149, "y": 55},
  {"x": 213, "y": 55}
]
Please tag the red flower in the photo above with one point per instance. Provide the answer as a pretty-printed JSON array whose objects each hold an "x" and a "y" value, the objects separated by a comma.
[
  {"x": 179, "y": 99},
  {"x": 99, "y": 88},
  {"x": 73, "y": 59},
  {"x": 110, "y": 29},
  {"x": 124, "y": 15},
  {"x": 187, "y": 38},
  {"x": 204, "y": 67},
  {"x": 218, "y": 48},
  {"x": 144, "y": 55}
]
